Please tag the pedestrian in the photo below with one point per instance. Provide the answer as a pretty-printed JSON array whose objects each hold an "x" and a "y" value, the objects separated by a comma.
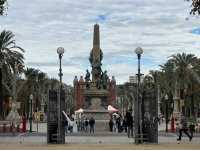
[
  {"x": 82, "y": 124},
  {"x": 86, "y": 124},
  {"x": 124, "y": 125},
  {"x": 183, "y": 128},
  {"x": 111, "y": 125},
  {"x": 192, "y": 129},
  {"x": 118, "y": 122},
  {"x": 91, "y": 123},
  {"x": 129, "y": 122}
]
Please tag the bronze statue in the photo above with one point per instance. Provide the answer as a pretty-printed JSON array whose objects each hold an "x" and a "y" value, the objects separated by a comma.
[
  {"x": 104, "y": 79},
  {"x": 87, "y": 78}
]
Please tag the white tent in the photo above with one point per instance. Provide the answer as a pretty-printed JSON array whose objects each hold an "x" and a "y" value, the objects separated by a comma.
[
  {"x": 112, "y": 109},
  {"x": 79, "y": 110},
  {"x": 78, "y": 114}
]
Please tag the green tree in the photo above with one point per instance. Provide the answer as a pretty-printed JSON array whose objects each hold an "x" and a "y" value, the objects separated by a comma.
[
  {"x": 10, "y": 56},
  {"x": 183, "y": 63},
  {"x": 195, "y": 7},
  {"x": 165, "y": 81}
]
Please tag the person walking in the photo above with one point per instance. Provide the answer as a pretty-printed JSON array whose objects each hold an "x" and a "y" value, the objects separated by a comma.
[
  {"x": 183, "y": 128},
  {"x": 129, "y": 123},
  {"x": 192, "y": 129},
  {"x": 91, "y": 123}
]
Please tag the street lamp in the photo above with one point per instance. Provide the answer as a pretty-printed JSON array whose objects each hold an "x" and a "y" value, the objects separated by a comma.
[
  {"x": 166, "y": 112},
  {"x": 30, "y": 111},
  {"x": 60, "y": 51},
  {"x": 138, "y": 111}
]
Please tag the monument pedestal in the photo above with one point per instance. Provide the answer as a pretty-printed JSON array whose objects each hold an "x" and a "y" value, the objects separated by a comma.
[
  {"x": 101, "y": 118},
  {"x": 96, "y": 107}
]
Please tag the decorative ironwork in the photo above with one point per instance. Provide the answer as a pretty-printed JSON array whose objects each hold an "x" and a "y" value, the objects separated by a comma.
[
  {"x": 150, "y": 115},
  {"x": 52, "y": 118}
]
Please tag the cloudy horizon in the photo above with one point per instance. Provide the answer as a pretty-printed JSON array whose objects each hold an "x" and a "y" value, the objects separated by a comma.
[{"x": 160, "y": 27}]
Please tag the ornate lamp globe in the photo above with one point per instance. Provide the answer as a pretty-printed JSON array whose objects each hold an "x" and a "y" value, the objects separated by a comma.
[
  {"x": 138, "y": 50},
  {"x": 31, "y": 96},
  {"x": 166, "y": 97},
  {"x": 60, "y": 50}
]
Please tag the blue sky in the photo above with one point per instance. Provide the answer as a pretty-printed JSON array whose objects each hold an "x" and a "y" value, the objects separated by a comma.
[{"x": 41, "y": 26}]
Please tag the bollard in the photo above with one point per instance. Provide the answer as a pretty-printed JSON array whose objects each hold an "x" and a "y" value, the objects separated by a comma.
[{"x": 23, "y": 124}]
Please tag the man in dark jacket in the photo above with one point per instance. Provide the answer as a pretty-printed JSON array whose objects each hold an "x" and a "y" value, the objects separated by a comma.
[
  {"x": 91, "y": 123},
  {"x": 129, "y": 123},
  {"x": 86, "y": 125},
  {"x": 184, "y": 128},
  {"x": 124, "y": 125}
]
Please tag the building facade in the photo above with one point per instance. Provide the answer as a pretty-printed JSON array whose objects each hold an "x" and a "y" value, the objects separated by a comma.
[{"x": 80, "y": 86}]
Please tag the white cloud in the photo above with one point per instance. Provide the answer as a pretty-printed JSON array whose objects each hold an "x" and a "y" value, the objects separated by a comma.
[{"x": 160, "y": 27}]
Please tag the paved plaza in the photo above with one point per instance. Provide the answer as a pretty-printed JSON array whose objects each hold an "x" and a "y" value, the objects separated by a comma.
[
  {"x": 29, "y": 146},
  {"x": 86, "y": 138},
  {"x": 97, "y": 138}
]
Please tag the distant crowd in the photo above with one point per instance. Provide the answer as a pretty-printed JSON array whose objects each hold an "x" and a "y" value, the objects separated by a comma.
[
  {"x": 120, "y": 124},
  {"x": 80, "y": 125}
]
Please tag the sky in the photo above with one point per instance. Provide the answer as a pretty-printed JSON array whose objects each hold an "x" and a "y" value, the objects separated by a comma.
[{"x": 160, "y": 27}]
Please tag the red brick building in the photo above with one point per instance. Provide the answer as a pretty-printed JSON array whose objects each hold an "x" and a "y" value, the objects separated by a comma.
[{"x": 80, "y": 86}]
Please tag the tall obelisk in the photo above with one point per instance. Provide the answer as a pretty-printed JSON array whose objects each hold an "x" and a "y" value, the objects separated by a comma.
[
  {"x": 96, "y": 97},
  {"x": 96, "y": 43},
  {"x": 96, "y": 55}
]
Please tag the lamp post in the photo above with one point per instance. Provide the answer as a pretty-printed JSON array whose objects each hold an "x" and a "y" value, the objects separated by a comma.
[
  {"x": 166, "y": 112},
  {"x": 30, "y": 111},
  {"x": 60, "y": 52},
  {"x": 138, "y": 112}
]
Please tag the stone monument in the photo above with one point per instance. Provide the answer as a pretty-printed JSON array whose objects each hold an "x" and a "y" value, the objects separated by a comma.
[{"x": 96, "y": 92}]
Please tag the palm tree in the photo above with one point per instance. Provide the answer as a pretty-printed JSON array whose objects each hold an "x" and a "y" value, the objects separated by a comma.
[
  {"x": 165, "y": 83},
  {"x": 184, "y": 63},
  {"x": 195, "y": 7},
  {"x": 10, "y": 55},
  {"x": 166, "y": 78}
]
